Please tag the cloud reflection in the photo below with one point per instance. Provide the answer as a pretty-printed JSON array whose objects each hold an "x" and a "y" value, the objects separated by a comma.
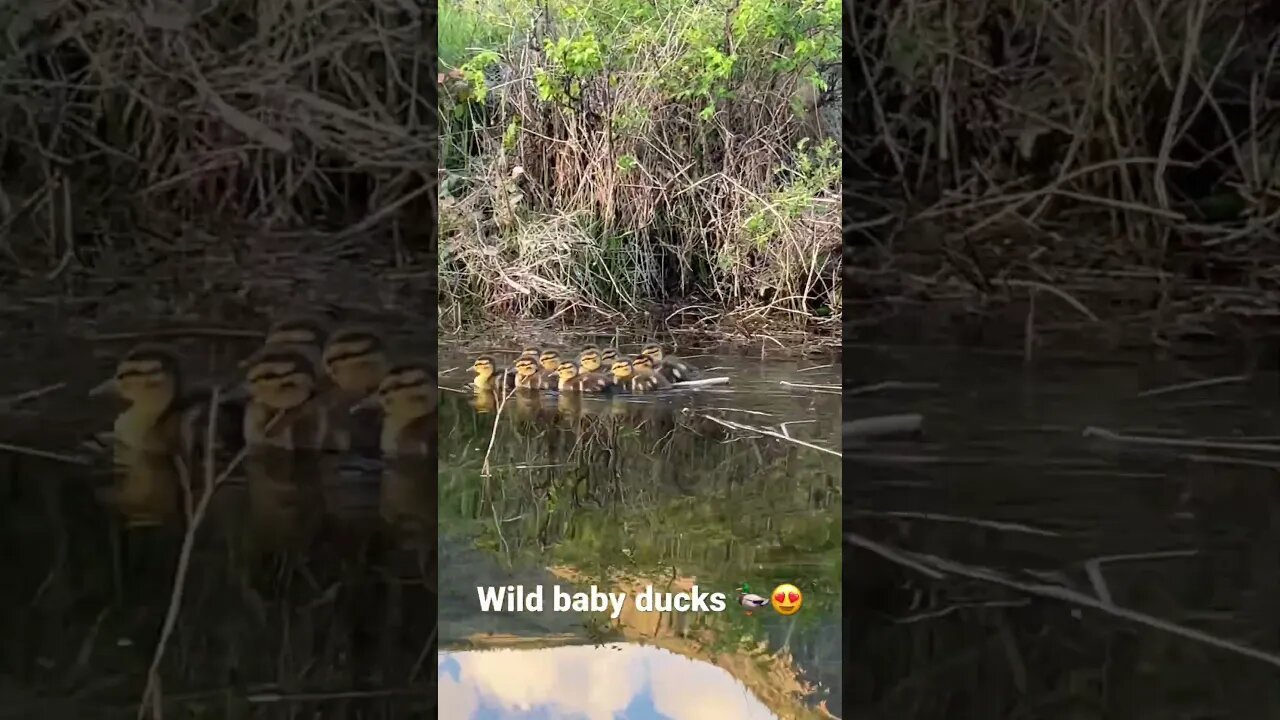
[{"x": 589, "y": 683}]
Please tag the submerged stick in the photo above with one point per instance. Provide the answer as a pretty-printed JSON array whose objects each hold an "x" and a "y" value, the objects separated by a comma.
[
  {"x": 763, "y": 431},
  {"x": 884, "y": 425},
  {"x": 702, "y": 383},
  {"x": 44, "y": 454},
  {"x": 890, "y": 385},
  {"x": 1112, "y": 436},
  {"x": 938, "y": 568},
  {"x": 1193, "y": 385}
]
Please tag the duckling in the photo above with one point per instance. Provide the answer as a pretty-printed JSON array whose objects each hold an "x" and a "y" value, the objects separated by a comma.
[
  {"x": 643, "y": 367},
  {"x": 625, "y": 378},
  {"x": 285, "y": 410},
  {"x": 532, "y": 351},
  {"x": 608, "y": 356},
  {"x": 669, "y": 366},
  {"x": 160, "y": 418},
  {"x": 407, "y": 396},
  {"x": 589, "y": 359},
  {"x": 572, "y": 382},
  {"x": 355, "y": 359},
  {"x": 550, "y": 361},
  {"x": 529, "y": 377},
  {"x": 485, "y": 378}
]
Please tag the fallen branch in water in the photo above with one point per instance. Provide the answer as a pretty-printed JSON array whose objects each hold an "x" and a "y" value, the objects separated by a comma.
[
  {"x": 890, "y": 385},
  {"x": 1093, "y": 567},
  {"x": 702, "y": 383},
  {"x": 763, "y": 431},
  {"x": 939, "y": 568},
  {"x": 45, "y": 454},
  {"x": 1111, "y": 436},
  {"x": 934, "y": 517},
  {"x": 884, "y": 425},
  {"x": 484, "y": 468},
  {"x": 1193, "y": 385},
  {"x": 30, "y": 395},
  {"x": 809, "y": 386}
]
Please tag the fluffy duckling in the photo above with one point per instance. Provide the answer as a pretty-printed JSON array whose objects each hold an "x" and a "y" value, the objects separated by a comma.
[
  {"x": 643, "y": 367},
  {"x": 608, "y": 356},
  {"x": 573, "y": 382},
  {"x": 160, "y": 418},
  {"x": 529, "y": 377},
  {"x": 625, "y": 378},
  {"x": 486, "y": 379},
  {"x": 356, "y": 360},
  {"x": 407, "y": 396},
  {"x": 668, "y": 366},
  {"x": 285, "y": 410},
  {"x": 589, "y": 359},
  {"x": 532, "y": 351},
  {"x": 549, "y": 360}
]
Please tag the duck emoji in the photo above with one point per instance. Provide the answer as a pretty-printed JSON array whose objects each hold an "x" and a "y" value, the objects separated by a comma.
[{"x": 749, "y": 600}]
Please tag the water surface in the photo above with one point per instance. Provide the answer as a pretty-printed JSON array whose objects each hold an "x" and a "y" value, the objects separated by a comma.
[
  {"x": 624, "y": 492},
  {"x": 1004, "y": 484},
  {"x": 310, "y": 584}
]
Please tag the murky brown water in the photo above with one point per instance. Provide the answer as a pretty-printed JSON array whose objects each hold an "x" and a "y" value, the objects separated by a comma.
[{"x": 1005, "y": 486}]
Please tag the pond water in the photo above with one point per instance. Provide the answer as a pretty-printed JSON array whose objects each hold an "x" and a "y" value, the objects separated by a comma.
[
  {"x": 1007, "y": 565},
  {"x": 309, "y": 586},
  {"x": 628, "y": 492}
]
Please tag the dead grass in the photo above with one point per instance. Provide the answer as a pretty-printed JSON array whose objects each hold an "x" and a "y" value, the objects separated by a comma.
[
  {"x": 131, "y": 134},
  {"x": 623, "y": 197},
  {"x": 1125, "y": 155}
]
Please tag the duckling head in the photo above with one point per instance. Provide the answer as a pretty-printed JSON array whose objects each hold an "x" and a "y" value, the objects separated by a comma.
[
  {"x": 146, "y": 377},
  {"x": 566, "y": 371},
  {"x": 642, "y": 364},
  {"x": 589, "y": 358},
  {"x": 407, "y": 393},
  {"x": 356, "y": 360},
  {"x": 532, "y": 351},
  {"x": 653, "y": 352},
  {"x": 297, "y": 331},
  {"x": 550, "y": 360},
  {"x": 621, "y": 369},
  {"x": 526, "y": 367},
  {"x": 282, "y": 377},
  {"x": 483, "y": 368},
  {"x": 607, "y": 356}
]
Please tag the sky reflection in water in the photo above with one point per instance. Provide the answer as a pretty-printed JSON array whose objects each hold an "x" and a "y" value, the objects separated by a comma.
[{"x": 591, "y": 683}]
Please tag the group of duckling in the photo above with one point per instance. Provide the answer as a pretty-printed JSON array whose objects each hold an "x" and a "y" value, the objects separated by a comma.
[
  {"x": 299, "y": 391},
  {"x": 537, "y": 369}
]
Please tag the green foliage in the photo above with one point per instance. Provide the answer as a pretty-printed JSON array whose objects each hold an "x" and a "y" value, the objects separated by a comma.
[{"x": 816, "y": 170}]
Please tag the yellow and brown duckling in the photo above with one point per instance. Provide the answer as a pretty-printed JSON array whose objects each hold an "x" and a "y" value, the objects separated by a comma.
[
  {"x": 669, "y": 366},
  {"x": 529, "y": 376},
  {"x": 407, "y": 396},
  {"x": 355, "y": 359},
  {"x": 571, "y": 381},
  {"x": 642, "y": 365},
  {"x": 285, "y": 408},
  {"x": 488, "y": 378},
  {"x": 549, "y": 360},
  {"x": 627, "y": 380},
  {"x": 161, "y": 417}
]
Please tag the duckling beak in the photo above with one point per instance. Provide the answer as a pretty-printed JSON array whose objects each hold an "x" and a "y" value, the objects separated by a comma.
[{"x": 106, "y": 387}]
